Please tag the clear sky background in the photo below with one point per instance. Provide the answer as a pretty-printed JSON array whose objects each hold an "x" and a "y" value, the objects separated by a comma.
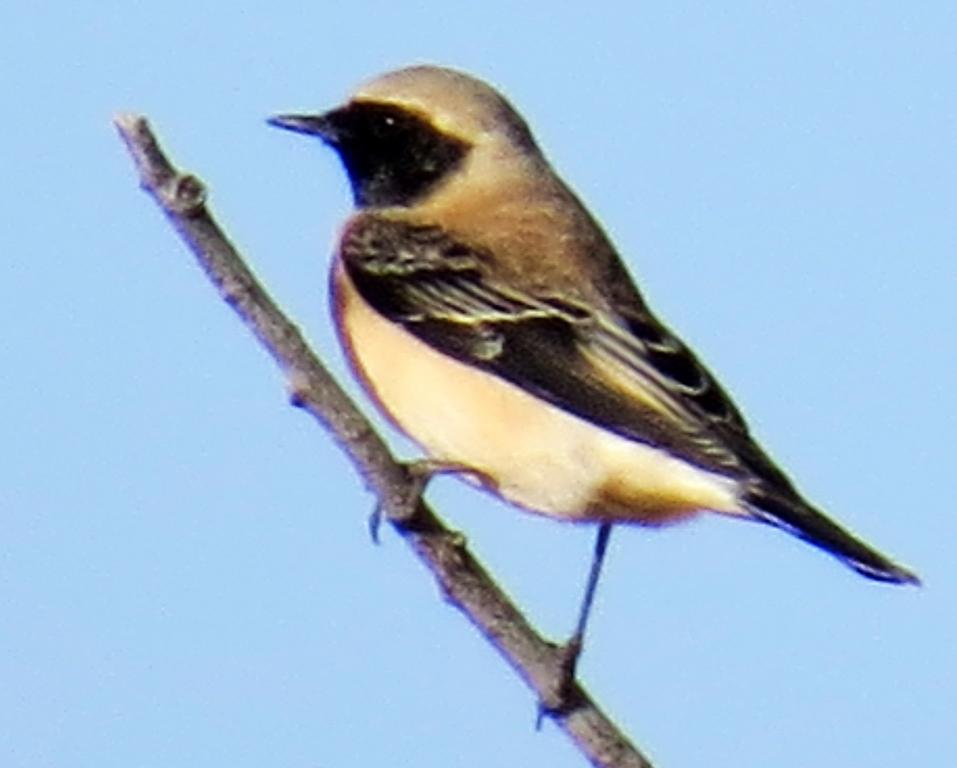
[{"x": 185, "y": 573}]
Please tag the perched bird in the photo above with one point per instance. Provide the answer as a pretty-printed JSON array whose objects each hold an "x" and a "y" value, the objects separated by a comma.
[{"x": 490, "y": 318}]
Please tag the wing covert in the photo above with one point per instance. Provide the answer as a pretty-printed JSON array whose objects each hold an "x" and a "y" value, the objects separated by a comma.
[{"x": 624, "y": 372}]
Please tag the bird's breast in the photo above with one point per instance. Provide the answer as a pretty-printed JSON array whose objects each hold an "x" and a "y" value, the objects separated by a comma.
[{"x": 528, "y": 451}]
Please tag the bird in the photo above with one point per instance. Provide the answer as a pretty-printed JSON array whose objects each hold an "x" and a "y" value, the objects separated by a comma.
[{"x": 491, "y": 319}]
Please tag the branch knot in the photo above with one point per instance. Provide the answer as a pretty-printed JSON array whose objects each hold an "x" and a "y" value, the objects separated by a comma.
[{"x": 184, "y": 194}]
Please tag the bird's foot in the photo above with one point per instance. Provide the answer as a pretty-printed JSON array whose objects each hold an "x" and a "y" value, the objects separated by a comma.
[
  {"x": 563, "y": 695},
  {"x": 419, "y": 473}
]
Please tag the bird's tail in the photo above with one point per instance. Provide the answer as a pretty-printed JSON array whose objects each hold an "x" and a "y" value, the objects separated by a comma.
[{"x": 799, "y": 518}]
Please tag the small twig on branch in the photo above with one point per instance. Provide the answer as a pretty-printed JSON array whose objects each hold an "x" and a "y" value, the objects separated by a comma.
[{"x": 462, "y": 579}]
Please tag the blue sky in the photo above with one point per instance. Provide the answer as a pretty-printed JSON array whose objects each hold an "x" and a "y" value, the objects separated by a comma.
[{"x": 185, "y": 573}]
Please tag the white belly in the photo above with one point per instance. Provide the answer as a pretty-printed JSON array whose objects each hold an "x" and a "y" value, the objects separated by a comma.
[{"x": 533, "y": 453}]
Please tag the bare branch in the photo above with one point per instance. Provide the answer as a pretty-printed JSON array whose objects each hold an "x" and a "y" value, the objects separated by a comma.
[{"x": 462, "y": 579}]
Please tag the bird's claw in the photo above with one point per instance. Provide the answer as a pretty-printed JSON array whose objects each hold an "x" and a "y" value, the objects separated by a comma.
[
  {"x": 419, "y": 473},
  {"x": 561, "y": 698}
]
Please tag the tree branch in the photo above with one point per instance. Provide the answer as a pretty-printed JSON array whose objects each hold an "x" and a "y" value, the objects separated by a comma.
[{"x": 462, "y": 579}]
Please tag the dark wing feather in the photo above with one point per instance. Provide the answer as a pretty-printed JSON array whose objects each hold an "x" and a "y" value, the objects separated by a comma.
[
  {"x": 626, "y": 373},
  {"x": 623, "y": 371}
]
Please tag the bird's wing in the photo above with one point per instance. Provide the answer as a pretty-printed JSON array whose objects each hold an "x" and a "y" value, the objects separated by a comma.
[
  {"x": 621, "y": 369},
  {"x": 624, "y": 372}
]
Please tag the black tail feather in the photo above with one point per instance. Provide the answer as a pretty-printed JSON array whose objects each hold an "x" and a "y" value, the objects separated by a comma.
[{"x": 800, "y": 519}]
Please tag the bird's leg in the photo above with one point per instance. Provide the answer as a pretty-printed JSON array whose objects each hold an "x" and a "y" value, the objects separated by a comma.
[
  {"x": 420, "y": 472},
  {"x": 571, "y": 650}
]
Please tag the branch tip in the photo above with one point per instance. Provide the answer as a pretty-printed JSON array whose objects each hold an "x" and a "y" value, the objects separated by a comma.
[{"x": 461, "y": 578}]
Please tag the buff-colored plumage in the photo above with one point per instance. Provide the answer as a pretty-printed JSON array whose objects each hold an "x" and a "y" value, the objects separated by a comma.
[{"x": 492, "y": 320}]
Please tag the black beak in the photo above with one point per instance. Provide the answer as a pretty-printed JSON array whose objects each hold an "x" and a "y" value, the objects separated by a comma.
[{"x": 323, "y": 126}]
